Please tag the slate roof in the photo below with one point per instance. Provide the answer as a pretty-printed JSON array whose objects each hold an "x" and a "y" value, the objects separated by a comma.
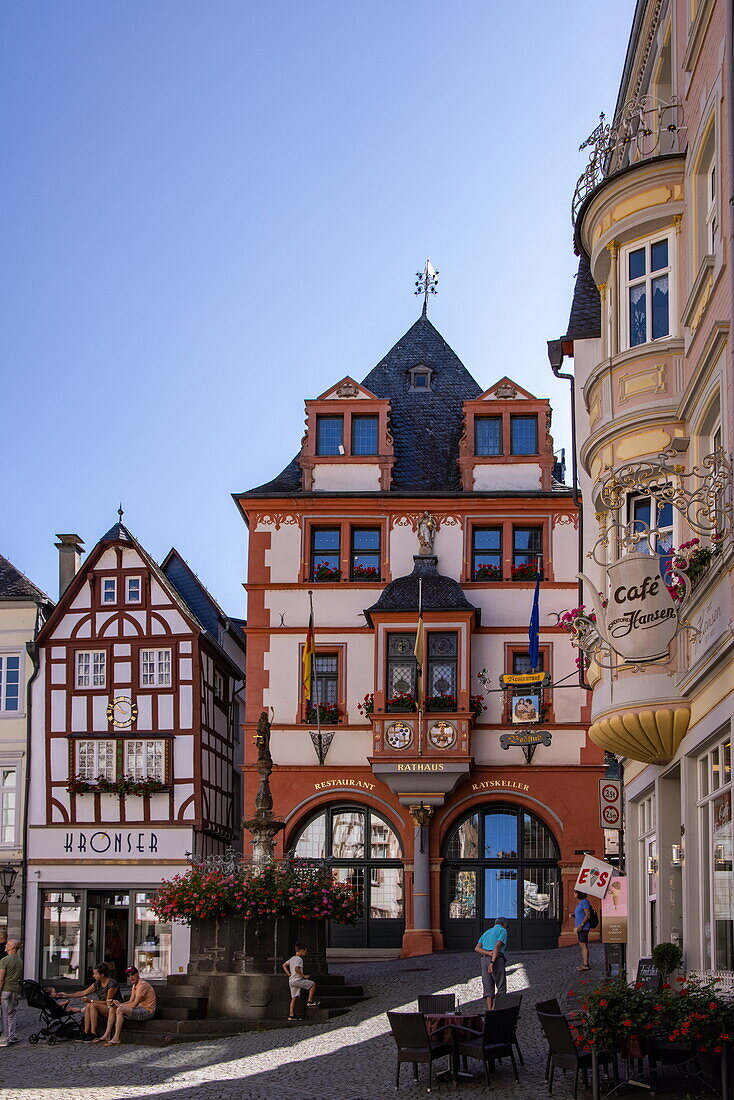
[
  {"x": 426, "y": 427},
  {"x": 193, "y": 593},
  {"x": 437, "y": 593},
  {"x": 585, "y": 320},
  {"x": 14, "y": 585},
  {"x": 119, "y": 533}
]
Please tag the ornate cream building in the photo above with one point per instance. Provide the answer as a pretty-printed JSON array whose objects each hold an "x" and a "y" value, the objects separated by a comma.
[{"x": 650, "y": 336}]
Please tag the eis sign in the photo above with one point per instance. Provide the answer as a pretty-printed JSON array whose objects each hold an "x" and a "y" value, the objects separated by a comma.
[{"x": 594, "y": 877}]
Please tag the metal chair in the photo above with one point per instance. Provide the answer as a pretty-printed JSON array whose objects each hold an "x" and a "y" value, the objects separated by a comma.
[
  {"x": 496, "y": 1040},
  {"x": 510, "y": 1000},
  {"x": 437, "y": 1002},
  {"x": 564, "y": 1054},
  {"x": 415, "y": 1044}
]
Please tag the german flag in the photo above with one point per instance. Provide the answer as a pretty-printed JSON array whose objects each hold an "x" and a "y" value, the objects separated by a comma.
[{"x": 308, "y": 652}]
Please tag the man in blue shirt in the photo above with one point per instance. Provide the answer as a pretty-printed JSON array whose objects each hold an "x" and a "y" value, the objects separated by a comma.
[
  {"x": 490, "y": 947},
  {"x": 581, "y": 915}
]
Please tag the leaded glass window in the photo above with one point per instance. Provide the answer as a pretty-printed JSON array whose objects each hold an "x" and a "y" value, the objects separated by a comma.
[
  {"x": 488, "y": 435},
  {"x": 95, "y": 759},
  {"x": 329, "y": 435},
  {"x": 442, "y": 657},
  {"x": 145, "y": 760},
  {"x": 364, "y": 435},
  {"x": 401, "y": 665},
  {"x": 524, "y": 435}
]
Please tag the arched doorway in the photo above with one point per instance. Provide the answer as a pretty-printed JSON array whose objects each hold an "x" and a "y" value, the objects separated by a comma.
[
  {"x": 501, "y": 861},
  {"x": 365, "y": 852}
]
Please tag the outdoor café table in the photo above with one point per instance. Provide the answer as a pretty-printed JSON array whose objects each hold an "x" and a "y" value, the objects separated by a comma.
[{"x": 450, "y": 1028}]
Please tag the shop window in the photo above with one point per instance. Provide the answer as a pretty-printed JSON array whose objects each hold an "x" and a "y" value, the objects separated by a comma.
[
  {"x": 524, "y": 435},
  {"x": 329, "y": 435},
  {"x": 91, "y": 668},
  {"x": 325, "y": 553},
  {"x": 145, "y": 760},
  {"x": 152, "y": 945},
  {"x": 646, "y": 273},
  {"x": 9, "y": 683},
  {"x": 401, "y": 669},
  {"x": 488, "y": 435},
  {"x": 365, "y": 553},
  {"x": 364, "y": 435},
  {"x": 464, "y": 843},
  {"x": 527, "y": 552},
  {"x": 441, "y": 667},
  {"x": 155, "y": 667},
  {"x": 61, "y": 934},
  {"x": 486, "y": 556},
  {"x": 95, "y": 760},
  {"x": 8, "y": 806}
]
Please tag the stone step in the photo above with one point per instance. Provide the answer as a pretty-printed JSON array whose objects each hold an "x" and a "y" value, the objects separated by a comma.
[
  {"x": 171, "y": 1012},
  {"x": 172, "y": 999},
  {"x": 362, "y": 954},
  {"x": 169, "y": 1032}
]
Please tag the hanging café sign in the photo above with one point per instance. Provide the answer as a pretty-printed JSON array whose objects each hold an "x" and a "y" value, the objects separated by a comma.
[{"x": 648, "y": 580}]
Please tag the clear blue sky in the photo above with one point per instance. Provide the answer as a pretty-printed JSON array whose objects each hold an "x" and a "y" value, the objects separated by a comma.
[{"x": 211, "y": 211}]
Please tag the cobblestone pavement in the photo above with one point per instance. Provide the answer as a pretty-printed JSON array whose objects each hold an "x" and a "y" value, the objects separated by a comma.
[{"x": 350, "y": 1058}]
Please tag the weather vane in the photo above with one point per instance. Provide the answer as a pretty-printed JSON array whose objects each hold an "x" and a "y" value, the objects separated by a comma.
[
  {"x": 426, "y": 282},
  {"x": 120, "y": 511}
]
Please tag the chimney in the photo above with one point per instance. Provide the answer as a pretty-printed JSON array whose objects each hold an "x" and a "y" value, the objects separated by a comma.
[{"x": 70, "y": 548}]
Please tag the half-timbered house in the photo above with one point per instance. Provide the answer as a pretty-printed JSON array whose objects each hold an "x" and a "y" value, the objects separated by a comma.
[{"x": 135, "y": 749}]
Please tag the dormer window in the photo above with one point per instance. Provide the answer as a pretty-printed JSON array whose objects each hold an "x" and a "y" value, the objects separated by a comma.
[
  {"x": 329, "y": 435},
  {"x": 524, "y": 435},
  {"x": 364, "y": 435},
  {"x": 420, "y": 379}
]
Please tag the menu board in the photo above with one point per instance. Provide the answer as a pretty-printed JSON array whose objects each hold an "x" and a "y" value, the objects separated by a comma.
[{"x": 647, "y": 975}]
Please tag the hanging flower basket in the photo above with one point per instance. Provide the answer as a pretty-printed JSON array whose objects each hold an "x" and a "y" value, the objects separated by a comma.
[
  {"x": 305, "y": 892},
  {"x": 695, "y": 561},
  {"x": 477, "y": 705},
  {"x": 367, "y": 705}
]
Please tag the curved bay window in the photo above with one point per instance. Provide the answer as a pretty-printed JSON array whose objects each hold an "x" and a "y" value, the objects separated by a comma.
[
  {"x": 501, "y": 861},
  {"x": 365, "y": 853}
]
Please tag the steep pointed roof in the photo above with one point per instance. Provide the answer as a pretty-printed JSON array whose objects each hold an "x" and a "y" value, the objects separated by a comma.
[
  {"x": 14, "y": 585},
  {"x": 426, "y": 426}
]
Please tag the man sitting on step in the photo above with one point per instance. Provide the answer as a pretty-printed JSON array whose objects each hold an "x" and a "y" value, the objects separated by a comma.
[{"x": 139, "y": 1006}]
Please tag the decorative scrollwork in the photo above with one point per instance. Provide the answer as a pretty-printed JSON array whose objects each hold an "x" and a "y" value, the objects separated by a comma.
[
  {"x": 702, "y": 495},
  {"x": 277, "y": 519},
  {"x": 644, "y": 127}
]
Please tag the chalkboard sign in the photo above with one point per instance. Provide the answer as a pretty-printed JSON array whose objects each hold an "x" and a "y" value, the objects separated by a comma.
[{"x": 647, "y": 975}]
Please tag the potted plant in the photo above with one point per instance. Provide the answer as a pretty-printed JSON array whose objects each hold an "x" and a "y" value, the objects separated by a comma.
[
  {"x": 444, "y": 701},
  {"x": 402, "y": 701},
  {"x": 365, "y": 573},
  {"x": 477, "y": 705},
  {"x": 328, "y": 713},
  {"x": 666, "y": 957},
  {"x": 488, "y": 573},
  {"x": 367, "y": 705},
  {"x": 322, "y": 571}
]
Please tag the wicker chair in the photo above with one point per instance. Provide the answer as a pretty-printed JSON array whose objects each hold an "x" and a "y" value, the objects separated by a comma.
[
  {"x": 437, "y": 1002},
  {"x": 496, "y": 1040},
  {"x": 564, "y": 1054},
  {"x": 415, "y": 1044},
  {"x": 510, "y": 1000}
]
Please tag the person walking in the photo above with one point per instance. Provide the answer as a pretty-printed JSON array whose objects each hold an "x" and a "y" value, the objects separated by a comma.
[
  {"x": 582, "y": 924},
  {"x": 490, "y": 947},
  {"x": 11, "y": 975}
]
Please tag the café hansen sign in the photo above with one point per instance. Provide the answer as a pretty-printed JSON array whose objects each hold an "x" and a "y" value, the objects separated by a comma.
[{"x": 640, "y": 619}]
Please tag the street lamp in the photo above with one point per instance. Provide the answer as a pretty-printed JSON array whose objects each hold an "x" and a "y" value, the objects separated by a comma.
[{"x": 8, "y": 875}]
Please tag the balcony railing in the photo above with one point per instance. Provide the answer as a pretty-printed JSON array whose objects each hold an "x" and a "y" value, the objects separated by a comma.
[{"x": 644, "y": 128}]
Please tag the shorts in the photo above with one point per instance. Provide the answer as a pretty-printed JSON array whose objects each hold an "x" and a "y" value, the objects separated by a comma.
[
  {"x": 583, "y": 935},
  {"x": 300, "y": 983},
  {"x": 494, "y": 981},
  {"x": 140, "y": 1013}
]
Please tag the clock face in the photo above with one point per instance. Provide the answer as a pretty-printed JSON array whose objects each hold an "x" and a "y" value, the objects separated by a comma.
[
  {"x": 122, "y": 711},
  {"x": 442, "y": 735},
  {"x": 399, "y": 735}
]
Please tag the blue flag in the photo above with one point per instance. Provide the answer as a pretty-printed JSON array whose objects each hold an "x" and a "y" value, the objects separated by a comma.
[{"x": 534, "y": 628}]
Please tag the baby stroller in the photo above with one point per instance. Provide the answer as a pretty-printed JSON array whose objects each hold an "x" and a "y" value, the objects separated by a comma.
[{"x": 58, "y": 1022}]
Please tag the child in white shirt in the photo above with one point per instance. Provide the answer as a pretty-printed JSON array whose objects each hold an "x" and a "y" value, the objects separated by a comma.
[{"x": 297, "y": 980}]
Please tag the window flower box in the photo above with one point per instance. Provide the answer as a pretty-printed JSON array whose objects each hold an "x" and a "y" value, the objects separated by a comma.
[
  {"x": 440, "y": 702},
  {"x": 328, "y": 713},
  {"x": 366, "y": 573},
  {"x": 695, "y": 561},
  {"x": 487, "y": 573},
  {"x": 325, "y": 572},
  {"x": 403, "y": 701},
  {"x": 525, "y": 573},
  {"x": 124, "y": 786}
]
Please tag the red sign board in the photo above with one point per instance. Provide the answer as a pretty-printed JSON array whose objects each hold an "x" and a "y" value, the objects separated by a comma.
[{"x": 610, "y": 803}]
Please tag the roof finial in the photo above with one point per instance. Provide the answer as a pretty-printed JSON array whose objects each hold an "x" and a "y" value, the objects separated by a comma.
[
  {"x": 426, "y": 282},
  {"x": 120, "y": 512}
]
